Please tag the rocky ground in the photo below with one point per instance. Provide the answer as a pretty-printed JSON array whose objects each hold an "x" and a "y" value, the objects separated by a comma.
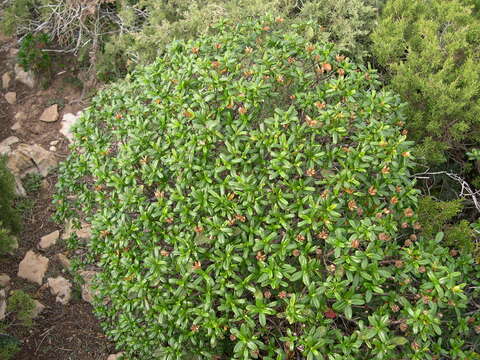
[{"x": 35, "y": 121}]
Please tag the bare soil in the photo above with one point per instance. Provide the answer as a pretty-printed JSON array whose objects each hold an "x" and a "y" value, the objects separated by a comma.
[{"x": 61, "y": 332}]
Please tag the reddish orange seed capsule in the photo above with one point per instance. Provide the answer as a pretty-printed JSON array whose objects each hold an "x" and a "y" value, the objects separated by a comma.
[
  {"x": 408, "y": 212},
  {"x": 326, "y": 67}
]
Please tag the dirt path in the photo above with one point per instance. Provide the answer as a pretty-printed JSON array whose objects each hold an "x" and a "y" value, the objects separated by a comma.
[{"x": 60, "y": 332}]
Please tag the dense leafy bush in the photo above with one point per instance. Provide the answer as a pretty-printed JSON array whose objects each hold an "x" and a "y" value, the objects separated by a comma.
[
  {"x": 432, "y": 50},
  {"x": 249, "y": 196}
]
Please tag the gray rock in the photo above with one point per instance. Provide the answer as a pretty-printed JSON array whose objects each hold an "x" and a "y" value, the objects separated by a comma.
[
  {"x": 62, "y": 259},
  {"x": 6, "y": 79},
  {"x": 4, "y": 280},
  {"x": 28, "y": 156},
  {"x": 68, "y": 121},
  {"x": 61, "y": 288},
  {"x": 18, "y": 162},
  {"x": 33, "y": 267},
  {"x": 19, "y": 189},
  {"x": 54, "y": 142},
  {"x": 49, "y": 240},
  {"x": 5, "y": 145},
  {"x": 17, "y": 126},
  {"x": 24, "y": 77},
  {"x": 11, "y": 97},
  {"x": 50, "y": 114},
  {"x": 3, "y": 304},
  {"x": 87, "y": 292},
  {"x": 85, "y": 231},
  {"x": 20, "y": 116},
  {"x": 115, "y": 356},
  {"x": 39, "y": 307},
  {"x": 52, "y": 148}
]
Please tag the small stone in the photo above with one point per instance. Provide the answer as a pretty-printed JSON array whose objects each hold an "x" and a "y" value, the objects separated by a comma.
[
  {"x": 18, "y": 162},
  {"x": 39, "y": 307},
  {"x": 20, "y": 116},
  {"x": 67, "y": 230},
  {"x": 11, "y": 140},
  {"x": 87, "y": 292},
  {"x": 50, "y": 114},
  {"x": 33, "y": 267},
  {"x": 54, "y": 142},
  {"x": 45, "y": 184},
  {"x": 68, "y": 121},
  {"x": 17, "y": 126},
  {"x": 3, "y": 304},
  {"x": 19, "y": 189},
  {"x": 85, "y": 232},
  {"x": 44, "y": 160},
  {"x": 52, "y": 148},
  {"x": 11, "y": 97},
  {"x": 49, "y": 240},
  {"x": 115, "y": 356},
  {"x": 4, "y": 280},
  {"x": 62, "y": 259},
  {"x": 23, "y": 76},
  {"x": 6, "y": 79},
  {"x": 13, "y": 52},
  {"x": 5, "y": 145},
  {"x": 61, "y": 288}
]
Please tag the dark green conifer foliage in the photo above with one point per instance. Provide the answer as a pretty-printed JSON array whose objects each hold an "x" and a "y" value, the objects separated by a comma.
[
  {"x": 8, "y": 214},
  {"x": 431, "y": 50}
]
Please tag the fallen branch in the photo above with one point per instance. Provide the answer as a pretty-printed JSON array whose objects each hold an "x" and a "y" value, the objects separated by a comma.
[{"x": 466, "y": 190}]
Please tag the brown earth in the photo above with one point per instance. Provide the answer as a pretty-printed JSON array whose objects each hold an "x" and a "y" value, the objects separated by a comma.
[{"x": 61, "y": 332}]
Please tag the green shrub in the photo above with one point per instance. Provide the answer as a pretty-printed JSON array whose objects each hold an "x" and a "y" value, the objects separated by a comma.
[
  {"x": 431, "y": 50},
  {"x": 347, "y": 23},
  {"x": 22, "y": 305},
  {"x": 9, "y": 346},
  {"x": 436, "y": 216},
  {"x": 116, "y": 36},
  {"x": 246, "y": 193},
  {"x": 7, "y": 241},
  {"x": 15, "y": 13},
  {"x": 31, "y": 55},
  {"x": 8, "y": 214}
]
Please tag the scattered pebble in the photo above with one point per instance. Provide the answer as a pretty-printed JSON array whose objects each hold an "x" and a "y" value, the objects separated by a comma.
[
  {"x": 3, "y": 304},
  {"x": 11, "y": 97},
  {"x": 62, "y": 259},
  {"x": 50, "y": 114},
  {"x": 61, "y": 288},
  {"x": 49, "y": 240},
  {"x": 6, "y": 79},
  {"x": 4, "y": 280},
  {"x": 39, "y": 307}
]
